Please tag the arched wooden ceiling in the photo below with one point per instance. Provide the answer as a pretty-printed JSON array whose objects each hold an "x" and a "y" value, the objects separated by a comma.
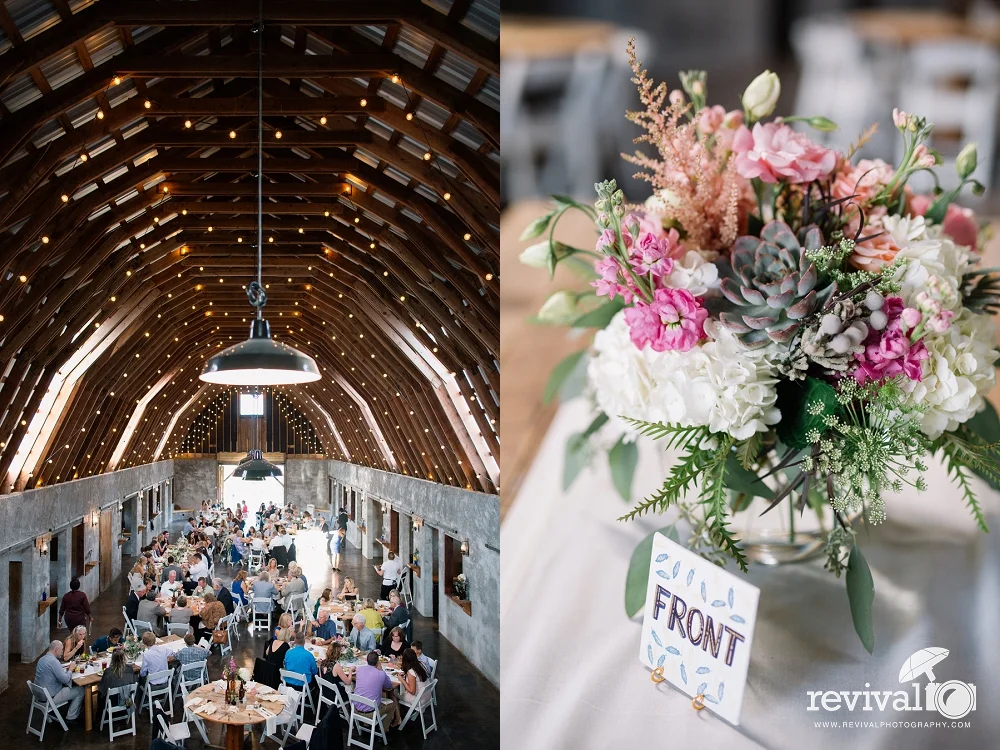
[{"x": 127, "y": 210}]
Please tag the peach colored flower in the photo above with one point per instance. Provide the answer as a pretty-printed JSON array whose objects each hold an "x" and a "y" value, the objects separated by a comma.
[
  {"x": 873, "y": 253},
  {"x": 863, "y": 180}
]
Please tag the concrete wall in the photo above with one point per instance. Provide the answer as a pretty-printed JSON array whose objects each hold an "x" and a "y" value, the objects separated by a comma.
[
  {"x": 195, "y": 479},
  {"x": 307, "y": 480},
  {"x": 460, "y": 514},
  {"x": 56, "y": 509}
]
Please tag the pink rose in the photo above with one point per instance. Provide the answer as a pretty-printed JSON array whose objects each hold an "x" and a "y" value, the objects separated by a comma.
[
  {"x": 775, "y": 152},
  {"x": 675, "y": 321},
  {"x": 959, "y": 223},
  {"x": 862, "y": 181}
]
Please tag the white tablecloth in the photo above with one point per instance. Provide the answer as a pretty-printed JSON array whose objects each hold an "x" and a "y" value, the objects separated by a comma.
[{"x": 571, "y": 676}]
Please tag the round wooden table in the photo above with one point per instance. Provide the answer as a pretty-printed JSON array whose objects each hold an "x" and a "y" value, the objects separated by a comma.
[{"x": 234, "y": 721}]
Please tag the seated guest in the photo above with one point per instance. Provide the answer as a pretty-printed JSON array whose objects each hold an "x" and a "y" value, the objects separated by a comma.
[
  {"x": 238, "y": 550},
  {"x": 299, "y": 659},
  {"x": 362, "y": 638},
  {"x": 350, "y": 591},
  {"x": 75, "y": 606},
  {"x": 399, "y": 613},
  {"x": 394, "y": 643},
  {"x": 324, "y": 628},
  {"x": 264, "y": 593},
  {"x": 76, "y": 644},
  {"x": 277, "y": 647},
  {"x": 118, "y": 674},
  {"x": 173, "y": 566},
  {"x": 325, "y": 598},
  {"x": 224, "y": 595},
  {"x": 272, "y": 567},
  {"x": 188, "y": 526},
  {"x": 191, "y": 653},
  {"x": 155, "y": 658},
  {"x": 149, "y": 610},
  {"x": 211, "y": 613},
  {"x": 295, "y": 586},
  {"x": 371, "y": 682},
  {"x": 197, "y": 566},
  {"x": 189, "y": 584},
  {"x": 136, "y": 575},
  {"x": 181, "y": 613},
  {"x": 239, "y": 588},
  {"x": 284, "y": 623},
  {"x": 414, "y": 677},
  {"x": 202, "y": 588},
  {"x": 331, "y": 670},
  {"x": 278, "y": 540},
  {"x": 418, "y": 649},
  {"x": 294, "y": 566},
  {"x": 132, "y": 603},
  {"x": 107, "y": 642},
  {"x": 372, "y": 618},
  {"x": 50, "y": 675},
  {"x": 171, "y": 586}
]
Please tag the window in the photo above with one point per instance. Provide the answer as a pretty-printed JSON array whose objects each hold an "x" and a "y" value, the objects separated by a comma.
[
  {"x": 251, "y": 405},
  {"x": 453, "y": 567}
]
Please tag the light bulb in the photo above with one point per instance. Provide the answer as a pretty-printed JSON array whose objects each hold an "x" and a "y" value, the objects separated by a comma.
[
  {"x": 100, "y": 115},
  {"x": 187, "y": 123},
  {"x": 409, "y": 115},
  {"x": 147, "y": 104},
  {"x": 322, "y": 120}
]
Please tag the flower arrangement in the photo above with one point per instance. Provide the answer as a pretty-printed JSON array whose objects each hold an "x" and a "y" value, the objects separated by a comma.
[
  {"x": 461, "y": 586},
  {"x": 778, "y": 311},
  {"x": 236, "y": 679},
  {"x": 133, "y": 647}
]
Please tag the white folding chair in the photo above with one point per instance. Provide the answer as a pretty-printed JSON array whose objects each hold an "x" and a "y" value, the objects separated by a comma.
[
  {"x": 141, "y": 626},
  {"x": 326, "y": 690},
  {"x": 115, "y": 707},
  {"x": 262, "y": 611},
  {"x": 156, "y": 689},
  {"x": 192, "y": 675},
  {"x": 305, "y": 689},
  {"x": 129, "y": 627},
  {"x": 193, "y": 718},
  {"x": 41, "y": 700},
  {"x": 178, "y": 628},
  {"x": 296, "y": 605},
  {"x": 231, "y": 627},
  {"x": 419, "y": 705},
  {"x": 431, "y": 675},
  {"x": 175, "y": 733},
  {"x": 288, "y": 718},
  {"x": 369, "y": 721},
  {"x": 205, "y": 644}
]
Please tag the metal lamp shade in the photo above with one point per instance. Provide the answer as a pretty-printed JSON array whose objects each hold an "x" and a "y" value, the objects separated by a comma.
[
  {"x": 254, "y": 468},
  {"x": 260, "y": 361}
]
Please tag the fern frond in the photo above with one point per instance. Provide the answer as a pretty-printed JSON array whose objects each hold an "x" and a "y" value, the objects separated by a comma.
[
  {"x": 713, "y": 496},
  {"x": 954, "y": 456},
  {"x": 747, "y": 451},
  {"x": 682, "y": 477},
  {"x": 677, "y": 436}
]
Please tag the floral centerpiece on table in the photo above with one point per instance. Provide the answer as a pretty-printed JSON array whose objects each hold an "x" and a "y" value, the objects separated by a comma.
[
  {"x": 133, "y": 647},
  {"x": 236, "y": 679},
  {"x": 461, "y": 586},
  {"x": 798, "y": 325}
]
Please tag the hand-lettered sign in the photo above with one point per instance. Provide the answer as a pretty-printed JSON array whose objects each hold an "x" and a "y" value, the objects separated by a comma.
[{"x": 698, "y": 626}]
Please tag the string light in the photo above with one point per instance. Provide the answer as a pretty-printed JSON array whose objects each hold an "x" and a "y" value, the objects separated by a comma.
[
  {"x": 322, "y": 120},
  {"x": 232, "y": 133},
  {"x": 409, "y": 116},
  {"x": 65, "y": 198},
  {"x": 147, "y": 104},
  {"x": 187, "y": 123},
  {"x": 277, "y": 134},
  {"x": 100, "y": 115},
  {"x": 115, "y": 81}
]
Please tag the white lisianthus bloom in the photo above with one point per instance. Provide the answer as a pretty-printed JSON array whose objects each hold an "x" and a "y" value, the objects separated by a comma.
[
  {"x": 694, "y": 273},
  {"x": 719, "y": 383},
  {"x": 926, "y": 255},
  {"x": 957, "y": 375}
]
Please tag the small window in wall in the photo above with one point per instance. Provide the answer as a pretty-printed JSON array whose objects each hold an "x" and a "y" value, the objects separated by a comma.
[
  {"x": 453, "y": 568},
  {"x": 251, "y": 405},
  {"x": 78, "y": 553}
]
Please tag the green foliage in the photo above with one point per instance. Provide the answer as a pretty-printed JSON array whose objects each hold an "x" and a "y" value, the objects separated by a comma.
[
  {"x": 578, "y": 451},
  {"x": 747, "y": 451},
  {"x": 677, "y": 436},
  {"x": 623, "y": 458},
  {"x": 861, "y": 594},
  {"x": 744, "y": 481},
  {"x": 600, "y": 316},
  {"x": 985, "y": 424},
  {"x": 681, "y": 479},
  {"x": 981, "y": 290},
  {"x": 537, "y": 227},
  {"x": 713, "y": 497},
  {"x": 637, "y": 579},
  {"x": 805, "y": 406},
  {"x": 965, "y": 451},
  {"x": 829, "y": 261},
  {"x": 559, "y": 375}
]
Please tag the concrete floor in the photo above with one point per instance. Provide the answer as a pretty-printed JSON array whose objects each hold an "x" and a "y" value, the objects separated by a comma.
[{"x": 468, "y": 710}]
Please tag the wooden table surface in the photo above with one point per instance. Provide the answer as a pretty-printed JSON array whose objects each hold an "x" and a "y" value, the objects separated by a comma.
[
  {"x": 539, "y": 38},
  {"x": 911, "y": 26},
  {"x": 529, "y": 351}
]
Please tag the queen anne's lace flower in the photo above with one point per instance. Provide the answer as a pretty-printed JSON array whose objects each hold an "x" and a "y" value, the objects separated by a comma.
[
  {"x": 958, "y": 373},
  {"x": 718, "y": 383}
]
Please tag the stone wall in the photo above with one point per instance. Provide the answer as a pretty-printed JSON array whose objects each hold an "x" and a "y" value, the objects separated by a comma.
[
  {"x": 460, "y": 514},
  {"x": 307, "y": 481},
  {"x": 196, "y": 479},
  {"x": 24, "y": 516}
]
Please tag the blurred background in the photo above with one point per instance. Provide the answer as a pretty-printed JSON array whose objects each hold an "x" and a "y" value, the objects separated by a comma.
[
  {"x": 565, "y": 86},
  {"x": 565, "y": 79}
]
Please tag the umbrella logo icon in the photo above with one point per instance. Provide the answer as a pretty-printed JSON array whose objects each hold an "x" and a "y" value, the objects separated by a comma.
[
  {"x": 922, "y": 663},
  {"x": 952, "y": 699}
]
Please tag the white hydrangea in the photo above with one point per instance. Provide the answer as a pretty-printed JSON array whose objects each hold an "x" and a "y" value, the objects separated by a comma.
[
  {"x": 958, "y": 373},
  {"x": 694, "y": 273},
  {"x": 927, "y": 253},
  {"x": 719, "y": 383}
]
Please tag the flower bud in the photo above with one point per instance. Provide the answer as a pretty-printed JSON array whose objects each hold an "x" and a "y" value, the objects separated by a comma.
[
  {"x": 911, "y": 317},
  {"x": 899, "y": 119},
  {"x": 761, "y": 95},
  {"x": 822, "y": 124},
  {"x": 676, "y": 97},
  {"x": 537, "y": 256},
  {"x": 618, "y": 211},
  {"x": 965, "y": 162},
  {"x": 559, "y": 308}
]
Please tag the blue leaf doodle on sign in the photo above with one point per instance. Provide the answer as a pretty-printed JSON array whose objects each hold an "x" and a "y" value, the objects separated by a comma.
[
  {"x": 700, "y": 690},
  {"x": 673, "y": 650},
  {"x": 737, "y": 618},
  {"x": 702, "y": 670},
  {"x": 718, "y": 603},
  {"x": 730, "y": 596},
  {"x": 722, "y": 687},
  {"x": 649, "y": 652},
  {"x": 690, "y": 576},
  {"x": 656, "y": 638},
  {"x": 661, "y": 558},
  {"x": 710, "y": 699},
  {"x": 704, "y": 596},
  {"x": 684, "y": 674},
  {"x": 677, "y": 568},
  {"x": 663, "y": 574},
  {"x": 663, "y": 658}
]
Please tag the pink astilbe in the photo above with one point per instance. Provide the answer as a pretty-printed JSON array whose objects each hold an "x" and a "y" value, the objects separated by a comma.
[
  {"x": 709, "y": 194},
  {"x": 675, "y": 320}
]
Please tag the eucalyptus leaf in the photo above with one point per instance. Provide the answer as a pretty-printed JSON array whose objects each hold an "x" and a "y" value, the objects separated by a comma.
[
  {"x": 559, "y": 374},
  {"x": 861, "y": 594},
  {"x": 638, "y": 571},
  {"x": 623, "y": 459},
  {"x": 742, "y": 480},
  {"x": 575, "y": 459},
  {"x": 599, "y": 317},
  {"x": 986, "y": 424}
]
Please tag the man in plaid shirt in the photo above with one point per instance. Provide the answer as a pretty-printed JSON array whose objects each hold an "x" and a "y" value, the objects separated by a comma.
[{"x": 190, "y": 652}]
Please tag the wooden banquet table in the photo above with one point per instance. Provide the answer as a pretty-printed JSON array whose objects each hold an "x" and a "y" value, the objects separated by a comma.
[
  {"x": 212, "y": 697},
  {"x": 93, "y": 670}
]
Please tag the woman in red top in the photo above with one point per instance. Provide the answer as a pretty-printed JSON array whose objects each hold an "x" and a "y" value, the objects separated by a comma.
[{"x": 75, "y": 607}]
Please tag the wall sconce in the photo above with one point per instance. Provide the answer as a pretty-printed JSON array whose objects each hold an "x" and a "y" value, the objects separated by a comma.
[
  {"x": 418, "y": 522},
  {"x": 42, "y": 544},
  {"x": 465, "y": 547}
]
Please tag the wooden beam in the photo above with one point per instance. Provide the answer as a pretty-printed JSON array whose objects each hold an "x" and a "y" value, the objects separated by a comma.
[
  {"x": 333, "y": 165},
  {"x": 163, "y": 136},
  {"x": 457, "y": 38},
  {"x": 326, "y": 189},
  {"x": 166, "y": 106},
  {"x": 237, "y": 208},
  {"x": 276, "y": 65},
  {"x": 226, "y": 12}
]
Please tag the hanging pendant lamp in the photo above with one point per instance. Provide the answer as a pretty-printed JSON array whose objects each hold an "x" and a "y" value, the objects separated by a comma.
[
  {"x": 253, "y": 467},
  {"x": 260, "y": 360}
]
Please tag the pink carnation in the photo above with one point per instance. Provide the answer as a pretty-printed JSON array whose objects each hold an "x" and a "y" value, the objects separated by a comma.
[
  {"x": 775, "y": 152},
  {"x": 674, "y": 321},
  {"x": 890, "y": 352}
]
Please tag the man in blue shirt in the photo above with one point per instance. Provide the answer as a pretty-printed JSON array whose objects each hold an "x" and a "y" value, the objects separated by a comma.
[
  {"x": 299, "y": 659},
  {"x": 49, "y": 674},
  {"x": 324, "y": 628}
]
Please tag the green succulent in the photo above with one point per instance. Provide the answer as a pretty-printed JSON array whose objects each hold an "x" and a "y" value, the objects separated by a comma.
[{"x": 771, "y": 285}]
